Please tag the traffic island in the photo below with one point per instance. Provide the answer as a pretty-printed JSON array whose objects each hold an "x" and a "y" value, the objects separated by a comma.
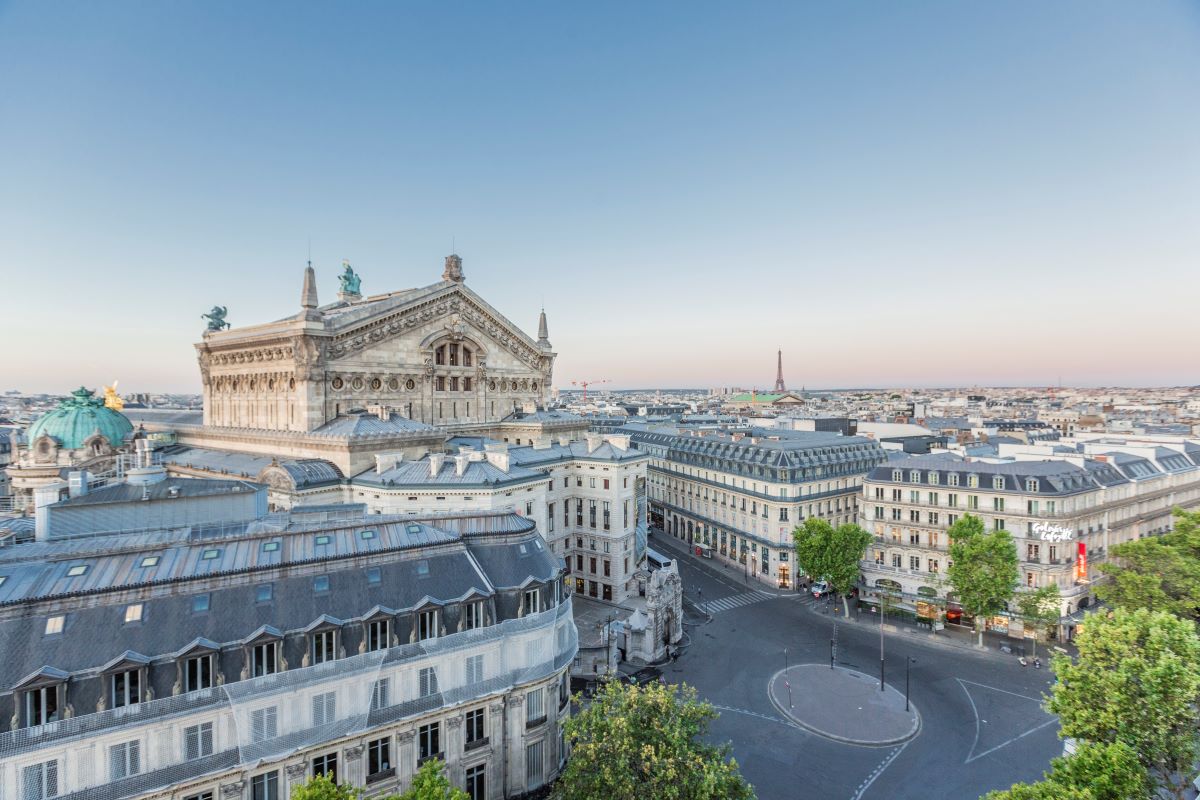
[{"x": 843, "y": 705}]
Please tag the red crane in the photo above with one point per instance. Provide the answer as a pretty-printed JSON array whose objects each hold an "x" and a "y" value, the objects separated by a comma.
[{"x": 586, "y": 384}]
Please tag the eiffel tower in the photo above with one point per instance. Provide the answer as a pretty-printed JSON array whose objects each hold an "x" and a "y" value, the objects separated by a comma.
[{"x": 779, "y": 387}]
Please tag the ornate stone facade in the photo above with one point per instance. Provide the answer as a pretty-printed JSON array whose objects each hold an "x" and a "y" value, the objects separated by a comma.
[{"x": 439, "y": 355}]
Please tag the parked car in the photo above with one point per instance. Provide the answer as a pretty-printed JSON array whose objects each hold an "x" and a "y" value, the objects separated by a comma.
[{"x": 821, "y": 588}]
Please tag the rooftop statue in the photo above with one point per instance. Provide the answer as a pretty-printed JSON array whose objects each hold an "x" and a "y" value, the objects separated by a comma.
[
  {"x": 349, "y": 279},
  {"x": 112, "y": 399},
  {"x": 216, "y": 318}
]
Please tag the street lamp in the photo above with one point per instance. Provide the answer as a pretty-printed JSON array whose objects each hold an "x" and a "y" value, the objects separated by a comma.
[
  {"x": 907, "y": 669},
  {"x": 881, "y": 611}
]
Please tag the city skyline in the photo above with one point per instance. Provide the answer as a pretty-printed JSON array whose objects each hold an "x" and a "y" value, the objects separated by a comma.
[{"x": 969, "y": 199}]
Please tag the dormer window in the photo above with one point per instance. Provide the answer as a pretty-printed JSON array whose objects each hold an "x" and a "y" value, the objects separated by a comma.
[
  {"x": 472, "y": 615},
  {"x": 953, "y": 479},
  {"x": 126, "y": 687},
  {"x": 264, "y": 659},
  {"x": 133, "y": 613},
  {"x": 1031, "y": 485},
  {"x": 198, "y": 673},
  {"x": 40, "y": 705},
  {"x": 933, "y": 478},
  {"x": 427, "y": 624},
  {"x": 54, "y": 625},
  {"x": 972, "y": 481},
  {"x": 997, "y": 482},
  {"x": 914, "y": 476},
  {"x": 533, "y": 601},
  {"x": 324, "y": 646},
  {"x": 379, "y": 634}
]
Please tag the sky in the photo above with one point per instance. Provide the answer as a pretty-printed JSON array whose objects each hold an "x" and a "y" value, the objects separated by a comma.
[{"x": 894, "y": 194}]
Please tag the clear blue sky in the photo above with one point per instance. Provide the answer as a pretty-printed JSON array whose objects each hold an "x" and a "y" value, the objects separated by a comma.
[{"x": 896, "y": 194}]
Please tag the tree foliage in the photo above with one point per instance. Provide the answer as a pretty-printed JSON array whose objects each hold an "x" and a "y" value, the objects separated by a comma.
[
  {"x": 1040, "y": 609},
  {"x": 983, "y": 568},
  {"x": 1158, "y": 573},
  {"x": 1136, "y": 682},
  {"x": 1093, "y": 772},
  {"x": 320, "y": 787},
  {"x": 431, "y": 783},
  {"x": 831, "y": 554},
  {"x": 636, "y": 742}
]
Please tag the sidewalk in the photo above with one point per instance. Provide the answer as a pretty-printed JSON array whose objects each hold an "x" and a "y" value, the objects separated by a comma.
[
  {"x": 950, "y": 636},
  {"x": 667, "y": 544}
]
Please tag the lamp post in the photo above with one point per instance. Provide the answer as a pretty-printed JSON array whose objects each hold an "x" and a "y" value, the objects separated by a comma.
[
  {"x": 881, "y": 612},
  {"x": 907, "y": 669}
]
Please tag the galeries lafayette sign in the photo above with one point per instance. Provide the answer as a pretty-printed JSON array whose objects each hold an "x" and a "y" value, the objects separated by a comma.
[{"x": 1052, "y": 533}]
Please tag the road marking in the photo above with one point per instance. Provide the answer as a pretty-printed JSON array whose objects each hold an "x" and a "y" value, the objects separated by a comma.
[
  {"x": 731, "y": 602},
  {"x": 971, "y": 756},
  {"x": 862, "y": 787},
  {"x": 996, "y": 689},
  {"x": 760, "y": 715},
  {"x": 1010, "y": 741}
]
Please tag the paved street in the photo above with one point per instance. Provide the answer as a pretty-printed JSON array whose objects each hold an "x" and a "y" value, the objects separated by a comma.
[{"x": 982, "y": 726}]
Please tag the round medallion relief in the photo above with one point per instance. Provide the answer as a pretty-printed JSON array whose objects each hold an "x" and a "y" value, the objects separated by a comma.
[
  {"x": 393, "y": 384},
  {"x": 376, "y": 384},
  {"x": 491, "y": 386},
  {"x": 410, "y": 384},
  {"x": 533, "y": 386},
  {"x": 338, "y": 383},
  {"x": 292, "y": 383},
  {"x": 356, "y": 384}
]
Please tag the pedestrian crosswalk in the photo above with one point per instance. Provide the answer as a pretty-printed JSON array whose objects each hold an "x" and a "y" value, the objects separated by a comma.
[{"x": 733, "y": 601}]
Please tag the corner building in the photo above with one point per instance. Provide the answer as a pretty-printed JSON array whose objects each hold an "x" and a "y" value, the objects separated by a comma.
[
  {"x": 222, "y": 664},
  {"x": 742, "y": 495}
]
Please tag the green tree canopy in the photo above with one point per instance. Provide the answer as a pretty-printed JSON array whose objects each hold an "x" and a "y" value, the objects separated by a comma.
[
  {"x": 637, "y": 742},
  {"x": 1040, "y": 609},
  {"x": 1136, "y": 682},
  {"x": 431, "y": 783},
  {"x": 319, "y": 787},
  {"x": 1092, "y": 772},
  {"x": 831, "y": 554},
  {"x": 983, "y": 568},
  {"x": 1159, "y": 573}
]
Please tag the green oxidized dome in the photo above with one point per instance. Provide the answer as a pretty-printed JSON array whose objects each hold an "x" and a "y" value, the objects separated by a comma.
[{"x": 77, "y": 418}]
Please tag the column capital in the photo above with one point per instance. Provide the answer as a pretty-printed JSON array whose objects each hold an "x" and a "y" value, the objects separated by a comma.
[
  {"x": 405, "y": 737},
  {"x": 455, "y": 722},
  {"x": 296, "y": 772},
  {"x": 231, "y": 791},
  {"x": 353, "y": 752}
]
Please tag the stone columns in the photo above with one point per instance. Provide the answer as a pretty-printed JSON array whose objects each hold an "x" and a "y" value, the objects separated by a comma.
[
  {"x": 515, "y": 741},
  {"x": 354, "y": 772},
  {"x": 498, "y": 768},
  {"x": 406, "y": 759},
  {"x": 296, "y": 774},
  {"x": 453, "y": 748}
]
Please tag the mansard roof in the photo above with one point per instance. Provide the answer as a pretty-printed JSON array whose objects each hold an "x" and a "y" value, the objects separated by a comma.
[{"x": 1048, "y": 477}]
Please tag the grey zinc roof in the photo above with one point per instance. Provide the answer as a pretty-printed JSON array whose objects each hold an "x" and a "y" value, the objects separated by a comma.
[
  {"x": 41, "y": 569},
  {"x": 507, "y": 569},
  {"x": 1052, "y": 477},
  {"x": 356, "y": 424},
  {"x": 572, "y": 451},
  {"x": 171, "y": 487},
  {"x": 416, "y": 474},
  {"x": 305, "y": 472}
]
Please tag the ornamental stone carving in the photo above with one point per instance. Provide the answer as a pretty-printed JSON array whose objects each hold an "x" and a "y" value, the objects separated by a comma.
[
  {"x": 231, "y": 791},
  {"x": 296, "y": 772},
  {"x": 353, "y": 752}
]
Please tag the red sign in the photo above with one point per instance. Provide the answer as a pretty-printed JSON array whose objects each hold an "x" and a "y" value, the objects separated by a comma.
[{"x": 1081, "y": 563}]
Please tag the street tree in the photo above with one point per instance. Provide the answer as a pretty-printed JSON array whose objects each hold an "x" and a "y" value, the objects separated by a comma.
[
  {"x": 831, "y": 554},
  {"x": 1040, "y": 609},
  {"x": 1159, "y": 573},
  {"x": 320, "y": 787},
  {"x": 983, "y": 568},
  {"x": 1136, "y": 682},
  {"x": 431, "y": 783},
  {"x": 635, "y": 742},
  {"x": 1093, "y": 772}
]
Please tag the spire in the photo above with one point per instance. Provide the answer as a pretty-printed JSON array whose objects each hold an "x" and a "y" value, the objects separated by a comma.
[
  {"x": 543, "y": 331},
  {"x": 779, "y": 385},
  {"x": 308, "y": 296},
  {"x": 453, "y": 271}
]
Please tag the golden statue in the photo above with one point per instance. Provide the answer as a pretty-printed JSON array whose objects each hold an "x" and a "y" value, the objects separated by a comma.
[{"x": 112, "y": 399}]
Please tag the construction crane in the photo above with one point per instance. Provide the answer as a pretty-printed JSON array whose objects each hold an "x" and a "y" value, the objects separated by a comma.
[{"x": 586, "y": 384}]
